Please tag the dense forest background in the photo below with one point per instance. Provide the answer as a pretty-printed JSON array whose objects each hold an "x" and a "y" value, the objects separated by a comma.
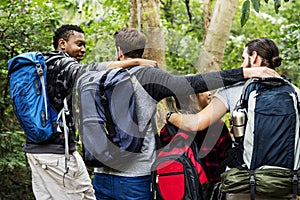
[{"x": 177, "y": 31}]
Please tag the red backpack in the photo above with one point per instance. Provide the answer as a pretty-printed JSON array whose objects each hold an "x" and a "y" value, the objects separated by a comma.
[{"x": 177, "y": 172}]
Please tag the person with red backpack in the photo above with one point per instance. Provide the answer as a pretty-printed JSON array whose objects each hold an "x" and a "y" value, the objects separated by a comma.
[
  {"x": 266, "y": 155},
  {"x": 212, "y": 145}
]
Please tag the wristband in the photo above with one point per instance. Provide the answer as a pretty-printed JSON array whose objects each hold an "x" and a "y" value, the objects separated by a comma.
[{"x": 168, "y": 115}]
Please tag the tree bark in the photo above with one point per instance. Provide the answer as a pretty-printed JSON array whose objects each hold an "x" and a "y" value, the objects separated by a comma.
[
  {"x": 145, "y": 16},
  {"x": 206, "y": 16},
  {"x": 212, "y": 51}
]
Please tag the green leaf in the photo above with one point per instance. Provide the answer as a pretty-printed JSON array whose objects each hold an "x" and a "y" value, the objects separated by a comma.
[
  {"x": 256, "y": 5},
  {"x": 245, "y": 12},
  {"x": 277, "y": 4}
]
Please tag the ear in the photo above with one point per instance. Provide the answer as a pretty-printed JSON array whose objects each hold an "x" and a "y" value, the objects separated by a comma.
[
  {"x": 257, "y": 60},
  {"x": 253, "y": 58},
  {"x": 120, "y": 53},
  {"x": 62, "y": 44}
]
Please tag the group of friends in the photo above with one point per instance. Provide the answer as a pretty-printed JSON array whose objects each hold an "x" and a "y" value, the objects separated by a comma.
[{"x": 47, "y": 160}]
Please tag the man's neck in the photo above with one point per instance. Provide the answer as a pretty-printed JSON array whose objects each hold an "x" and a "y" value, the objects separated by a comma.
[{"x": 125, "y": 58}]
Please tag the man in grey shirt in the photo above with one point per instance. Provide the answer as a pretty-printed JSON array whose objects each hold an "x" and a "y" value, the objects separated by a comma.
[
  {"x": 257, "y": 53},
  {"x": 153, "y": 85}
]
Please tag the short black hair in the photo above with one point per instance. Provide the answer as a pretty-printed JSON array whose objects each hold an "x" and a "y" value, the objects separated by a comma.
[{"x": 64, "y": 32}]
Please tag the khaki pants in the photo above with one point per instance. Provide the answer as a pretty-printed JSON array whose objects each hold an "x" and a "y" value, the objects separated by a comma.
[
  {"x": 49, "y": 180},
  {"x": 231, "y": 196}
]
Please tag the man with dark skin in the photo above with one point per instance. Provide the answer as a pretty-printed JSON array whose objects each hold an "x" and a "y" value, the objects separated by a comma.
[{"x": 50, "y": 178}]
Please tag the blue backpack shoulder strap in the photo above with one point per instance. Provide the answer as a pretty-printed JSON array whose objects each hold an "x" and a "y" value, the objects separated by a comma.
[{"x": 109, "y": 124}]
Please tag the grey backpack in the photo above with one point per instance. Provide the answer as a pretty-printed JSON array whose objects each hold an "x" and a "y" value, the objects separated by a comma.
[{"x": 107, "y": 119}]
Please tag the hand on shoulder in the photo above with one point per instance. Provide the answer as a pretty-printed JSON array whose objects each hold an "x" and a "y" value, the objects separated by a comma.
[
  {"x": 146, "y": 62},
  {"x": 260, "y": 72}
]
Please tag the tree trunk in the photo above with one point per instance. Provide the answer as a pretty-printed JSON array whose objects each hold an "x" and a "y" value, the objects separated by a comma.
[
  {"x": 206, "y": 16},
  {"x": 212, "y": 51},
  {"x": 145, "y": 16}
]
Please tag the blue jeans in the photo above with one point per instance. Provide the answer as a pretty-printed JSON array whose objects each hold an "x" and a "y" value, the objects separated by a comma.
[{"x": 122, "y": 188}]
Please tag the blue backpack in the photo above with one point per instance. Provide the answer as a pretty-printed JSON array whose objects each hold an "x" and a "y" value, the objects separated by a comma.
[
  {"x": 107, "y": 119},
  {"x": 266, "y": 127},
  {"x": 29, "y": 96}
]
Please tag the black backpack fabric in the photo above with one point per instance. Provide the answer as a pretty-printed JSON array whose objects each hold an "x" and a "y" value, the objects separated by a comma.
[{"x": 269, "y": 147}]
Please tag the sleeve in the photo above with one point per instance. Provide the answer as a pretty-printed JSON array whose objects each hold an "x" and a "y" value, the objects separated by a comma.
[
  {"x": 222, "y": 96},
  {"x": 214, "y": 80},
  {"x": 70, "y": 70},
  {"x": 160, "y": 84}
]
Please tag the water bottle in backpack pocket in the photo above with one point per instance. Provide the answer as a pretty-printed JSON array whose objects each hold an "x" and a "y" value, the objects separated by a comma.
[{"x": 270, "y": 142}]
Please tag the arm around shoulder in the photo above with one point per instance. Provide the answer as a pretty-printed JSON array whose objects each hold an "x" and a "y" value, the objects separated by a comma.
[
  {"x": 131, "y": 63},
  {"x": 201, "y": 120}
]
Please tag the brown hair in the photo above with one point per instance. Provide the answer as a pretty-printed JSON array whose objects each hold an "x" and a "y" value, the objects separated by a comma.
[
  {"x": 131, "y": 41},
  {"x": 267, "y": 49}
]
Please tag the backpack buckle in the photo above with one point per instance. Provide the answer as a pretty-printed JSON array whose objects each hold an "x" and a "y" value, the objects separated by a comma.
[
  {"x": 39, "y": 69},
  {"x": 295, "y": 178}
]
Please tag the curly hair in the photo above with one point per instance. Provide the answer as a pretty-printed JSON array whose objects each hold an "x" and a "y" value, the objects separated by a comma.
[{"x": 64, "y": 32}]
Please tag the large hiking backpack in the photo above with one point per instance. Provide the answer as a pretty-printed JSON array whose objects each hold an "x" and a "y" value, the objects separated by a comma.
[
  {"x": 107, "y": 119},
  {"x": 269, "y": 144},
  {"x": 178, "y": 173},
  {"x": 29, "y": 96}
]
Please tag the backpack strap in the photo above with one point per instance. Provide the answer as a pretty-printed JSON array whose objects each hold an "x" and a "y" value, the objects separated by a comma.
[
  {"x": 62, "y": 115},
  {"x": 295, "y": 182},
  {"x": 252, "y": 185},
  {"x": 40, "y": 73},
  {"x": 247, "y": 83},
  {"x": 132, "y": 70},
  {"x": 108, "y": 126}
]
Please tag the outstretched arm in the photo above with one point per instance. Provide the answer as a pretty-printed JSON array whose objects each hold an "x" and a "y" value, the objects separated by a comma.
[
  {"x": 131, "y": 62},
  {"x": 202, "y": 120}
]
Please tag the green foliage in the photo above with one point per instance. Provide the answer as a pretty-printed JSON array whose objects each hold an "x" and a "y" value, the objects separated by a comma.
[
  {"x": 256, "y": 6},
  {"x": 29, "y": 26},
  {"x": 277, "y": 4},
  {"x": 15, "y": 182},
  {"x": 284, "y": 29},
  {"x": 183, "y": 37},
  {"x": 100, "y": 19},
  {"x": 245, "y": 13},
  {"x": 24, "y": 26}
]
